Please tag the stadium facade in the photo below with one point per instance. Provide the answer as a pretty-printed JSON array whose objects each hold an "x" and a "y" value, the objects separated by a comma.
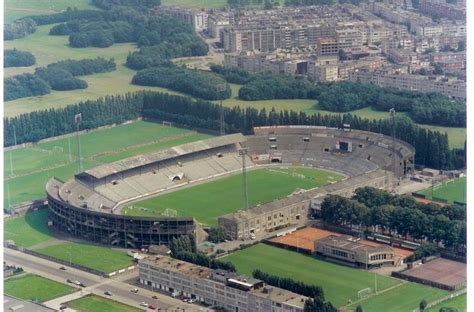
[{"x": 90, "y": 205}]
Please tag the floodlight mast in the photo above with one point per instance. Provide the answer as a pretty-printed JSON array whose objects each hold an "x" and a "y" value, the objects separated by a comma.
[
  {"x": 394, "y": 153},
  {"x": 221, "y": 89},
  {"x": 243, "y": 152},
  {"x": 77, "y": 121}
]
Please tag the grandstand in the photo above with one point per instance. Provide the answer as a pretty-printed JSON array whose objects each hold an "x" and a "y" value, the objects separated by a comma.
[{"x": 89, "y": 206}]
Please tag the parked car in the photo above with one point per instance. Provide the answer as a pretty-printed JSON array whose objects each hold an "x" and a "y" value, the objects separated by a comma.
[
  {"x": 77, "y": 283},
  {"x": 82, "y": 284},
  {"x": 144, "y": 304},
  {"x": 108, "y": 293},
  {"x": 68, "y": 280},
  {"x": 63, "y": 268},
  {"x": 152, "y": 306},
  {"x": 155, "y": 297},
  {"x": 134, "y": 290}
]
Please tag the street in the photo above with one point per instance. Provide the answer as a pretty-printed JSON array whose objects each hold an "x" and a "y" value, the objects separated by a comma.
[{"x": 94, "y": 284}]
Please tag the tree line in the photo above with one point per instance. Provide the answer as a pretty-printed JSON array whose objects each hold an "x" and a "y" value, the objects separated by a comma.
[
  {"x": 397, "y": 215},
  {"x": 432, "y": 147},
  {"x": 426, "y": 108},
  {"x": 289, "y": 284},
  {"x": 58, "y": 76},
  {"x": 193, "y": 82},
  {"x": 17, "y": 58},
  {"x": 184, "y": 248},
  {"x": 232, "y": 74}
]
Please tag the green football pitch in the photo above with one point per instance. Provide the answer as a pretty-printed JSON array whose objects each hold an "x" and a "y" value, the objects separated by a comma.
[
  {"x": 406, "y": 297},
  {"x": 95, "y": 257},
  {"x": 459, "y": 302},
  {"x": 93, "y": 303},
  {"x": 34, "y": 287},
  {"x": 453, "y": 190},
  {"x": 206, "y": 202},
  {"x": 27, "y": 170},
  {"x": 29, "y": 229},
  {"x": 340, "y": 283}
]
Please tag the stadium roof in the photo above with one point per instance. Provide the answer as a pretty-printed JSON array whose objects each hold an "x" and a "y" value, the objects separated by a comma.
[{"x": 102, "y": 171}]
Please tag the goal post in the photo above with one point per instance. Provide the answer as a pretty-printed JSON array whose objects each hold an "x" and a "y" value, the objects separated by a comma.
[
  {"x": 364, "y": 293},
  {"x": 167, "y": 123}
]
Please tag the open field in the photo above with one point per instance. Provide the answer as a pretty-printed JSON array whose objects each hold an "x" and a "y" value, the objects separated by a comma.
[
  {"x": 452, "y": 191},
  {"x": 34, "y": 166},
  {"x": 404, "y": 298},
  {"x": 14, "y": 9},
  {"x": 340, "y": 283},
  {"x": 95, "y": 257},
  {"x": 93, "y": 303},
  {"x": 28, "y": 230},
  {"x": 48, "y": 49},
  {"x": 206, "y": 202},
  {"x": 34, "y": 287},
  {"x": 457, "y": 136},
  {"x": 459, "y": 302}
]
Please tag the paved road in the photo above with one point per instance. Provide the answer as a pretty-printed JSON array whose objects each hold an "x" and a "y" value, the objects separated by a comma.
[{"x": 94, "y": 284}]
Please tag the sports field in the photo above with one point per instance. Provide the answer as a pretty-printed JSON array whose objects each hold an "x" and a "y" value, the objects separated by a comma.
[
  {"x": 404, "y": 298},
  {"x": 454, "y": 190},
  {"x": 35, "y": 288},
  {"x": 340, "y": 283},
  {"x": 28, "y": 230},
  {"x": 93, "y": 303},
  {"x": 95, "y": 257},
  {"x": 459, "y": 302},
  {"x": 206, "y": 202},
  {"x": 14, "y": 9},
  {"x": 34, "y": 166}
]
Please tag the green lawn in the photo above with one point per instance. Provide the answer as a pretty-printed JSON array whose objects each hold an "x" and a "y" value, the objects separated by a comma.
[
  {"x": 34, "y": 166},
  {"x": 404, "y": 298},
  {"x": 457, "y": 136},
  {"x": 48, "y": 49},
  {"x": 33, "y": 287},
  {"x": 459, "y": 302},
  {"x": 206, "y": 202},
  {"x": 93, "y": 303},
  {"x": 28, "y": 230},
  {"x": 453, "y": 191},
  {"x": 339, "y": 283},
  {"x": 14, "y": 9},
  {"x": 98, "y": 258}
]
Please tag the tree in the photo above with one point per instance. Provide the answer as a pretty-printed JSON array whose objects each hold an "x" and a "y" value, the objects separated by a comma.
[
  {"x": 437, "y": 69},
  {"x": 342, "y": 55},
  {"x": 359, "y": 309},
  {"x": 217, "y": 235},
  {"x": 423, "y": 305}
]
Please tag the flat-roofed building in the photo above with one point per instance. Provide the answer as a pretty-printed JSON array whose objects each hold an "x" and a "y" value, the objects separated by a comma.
[
  {"x": 349, "y": 249},
  {"x": 228, "y": 290}
]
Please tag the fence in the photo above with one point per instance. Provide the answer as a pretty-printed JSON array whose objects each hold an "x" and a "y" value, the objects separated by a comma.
[{"x": 441, "y": 300}]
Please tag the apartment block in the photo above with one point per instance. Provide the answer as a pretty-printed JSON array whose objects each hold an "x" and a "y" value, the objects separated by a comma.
[{"x": 220, "y": 288}]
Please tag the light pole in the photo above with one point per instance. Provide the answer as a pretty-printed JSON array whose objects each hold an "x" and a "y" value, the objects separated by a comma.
[
  {"x": 70, "y": 258},
  {"x": 77, "y": 121},
  {"x": 243, "y": 153},
  {"x": 221, "y": 89},
  {"x": 394, "y": 154}
]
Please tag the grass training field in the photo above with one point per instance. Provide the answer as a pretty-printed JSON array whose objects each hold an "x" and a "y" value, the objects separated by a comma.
[
  {"x": 459, "y": 302},
  {"x": 34, "y": 287},
  {"x": 28, "y": 230},
  {"x": 14, "y": 9},
  {"x": 34, "y": 166},
  {"x": 95, "y": 257},
  {"x": 93, "y": 303},
  {"x": 452, "y": 191},
  {"x": 404, "y": 298},
  {"x": 340, "y": 283},
  {"x": 206, "y": 202}
]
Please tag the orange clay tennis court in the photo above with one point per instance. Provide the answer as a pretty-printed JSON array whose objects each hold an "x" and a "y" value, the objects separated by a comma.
[{"x": 304, "y": 239}]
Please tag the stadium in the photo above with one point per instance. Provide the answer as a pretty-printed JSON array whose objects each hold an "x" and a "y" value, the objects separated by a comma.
[{"x": 91, "y": 205}]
